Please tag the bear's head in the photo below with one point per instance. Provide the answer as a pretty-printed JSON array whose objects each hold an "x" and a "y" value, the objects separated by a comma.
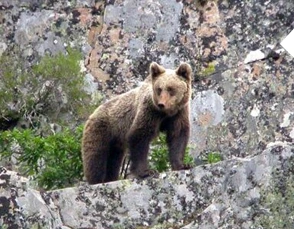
[{"x": 171, "y": 88}]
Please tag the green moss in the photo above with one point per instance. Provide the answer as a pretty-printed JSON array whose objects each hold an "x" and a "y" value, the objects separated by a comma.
[
  {"x": 209, "y": 70},
  {"x": 105, "y": 56}
]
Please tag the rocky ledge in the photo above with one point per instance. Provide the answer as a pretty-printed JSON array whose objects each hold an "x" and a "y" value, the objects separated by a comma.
[{"x": 254, "y": 192}]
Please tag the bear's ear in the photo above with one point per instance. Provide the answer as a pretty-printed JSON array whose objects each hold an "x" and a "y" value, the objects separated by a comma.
[
  {"x": 156, "y": 70},
  {"x": 185, "y": 71}
]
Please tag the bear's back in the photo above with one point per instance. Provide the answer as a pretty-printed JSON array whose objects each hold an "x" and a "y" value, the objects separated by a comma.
[{"x": 119, "y": 112}]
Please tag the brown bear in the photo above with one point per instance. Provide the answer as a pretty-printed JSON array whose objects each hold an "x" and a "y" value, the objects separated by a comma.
[{"x": 129, "y": 122}]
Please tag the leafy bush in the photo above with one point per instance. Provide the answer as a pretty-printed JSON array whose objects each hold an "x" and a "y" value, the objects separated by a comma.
[
  {"x": 64, "y": 74},
  {"x": 12, "y": 78},
  {"x": 53, "y": 161},
  {"x": 159, "y": 155},
  {"x": 45, "y": 92}
]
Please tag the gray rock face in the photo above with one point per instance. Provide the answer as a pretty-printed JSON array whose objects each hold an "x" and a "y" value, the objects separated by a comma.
[
  {"x": 229, "y": 194},
  {"x": 242, "y": 108},
  {"x": 146, "y": 17},
  {"x": 207, "y": 111}
]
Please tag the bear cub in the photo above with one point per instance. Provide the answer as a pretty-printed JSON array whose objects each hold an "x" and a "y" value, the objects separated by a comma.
[{"x": 130, "y": 121}]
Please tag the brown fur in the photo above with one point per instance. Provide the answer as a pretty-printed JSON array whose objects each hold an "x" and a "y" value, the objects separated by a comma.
[{"x": 131, "y": 120}]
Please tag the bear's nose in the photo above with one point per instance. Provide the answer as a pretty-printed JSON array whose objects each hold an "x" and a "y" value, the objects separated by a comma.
[{"x": 160, "y": 106}]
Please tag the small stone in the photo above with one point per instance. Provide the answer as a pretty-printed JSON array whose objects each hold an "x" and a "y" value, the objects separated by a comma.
[
  {"x": 286, "y": 120},
  {"x": 292, "y": 133},
  {"x": 255, "y": 111},
  {"x": 254, "y": 56}
]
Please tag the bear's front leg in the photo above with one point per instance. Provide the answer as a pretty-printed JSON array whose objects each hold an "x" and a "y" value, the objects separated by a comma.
[
  {"x": 177, "y": 136},
  {"x": 139, "y": 139}
]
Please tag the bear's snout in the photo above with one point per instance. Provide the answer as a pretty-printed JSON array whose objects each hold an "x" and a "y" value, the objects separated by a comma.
[
  {"x": 163, "y": 99},
  {"x": 160, "y": 106}
]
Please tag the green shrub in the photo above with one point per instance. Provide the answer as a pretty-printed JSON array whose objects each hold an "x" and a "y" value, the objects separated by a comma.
[
  {"x": 49, "y": 92},
  {"x": 64, "y": 73},
  {"x": 12, "y": 78},
  {"x": 159, "y": 155},
  {"x": 213, "y": 157},
  {"x": 53, "y": 161},
  {"x": 45, "y": 92}
]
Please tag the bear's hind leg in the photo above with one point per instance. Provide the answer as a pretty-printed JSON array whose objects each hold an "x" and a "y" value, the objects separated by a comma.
[
  {"x": 114, "y": 161},
  {"x": 95, "y": 151},
  {"x": 95, "y": 168}
]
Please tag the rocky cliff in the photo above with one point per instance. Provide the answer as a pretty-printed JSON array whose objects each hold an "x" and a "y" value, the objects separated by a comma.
[{"x": 242, "y": 108}]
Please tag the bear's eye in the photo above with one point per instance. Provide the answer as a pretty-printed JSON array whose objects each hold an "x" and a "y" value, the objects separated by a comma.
[
  {"x": 158, "y": 90},
  {"x": 171, "y": 91}
]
